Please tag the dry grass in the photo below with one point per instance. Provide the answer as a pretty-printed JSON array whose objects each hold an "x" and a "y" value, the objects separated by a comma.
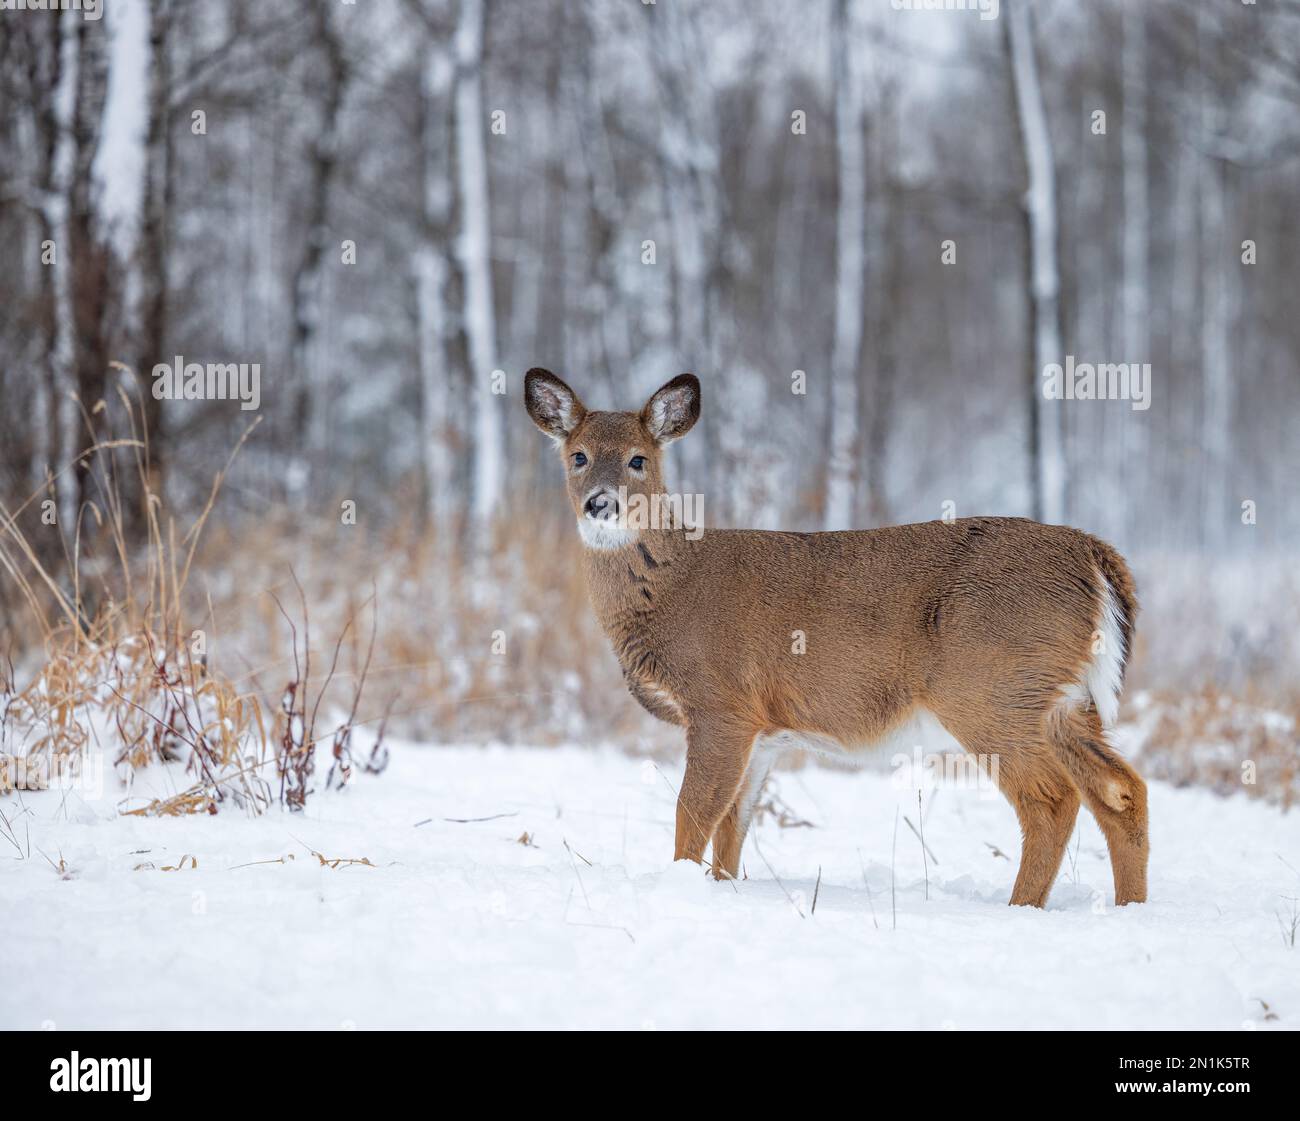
[
  {"x": 497, "y": 648},
  {"x": 132, "y": 682},
  {"x": 1225, "y": 742}
]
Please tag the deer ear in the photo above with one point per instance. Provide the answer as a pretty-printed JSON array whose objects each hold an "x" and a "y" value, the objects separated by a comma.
[
  {"x": 673, "y": 409},
  {"x": 554, "y": 407}
]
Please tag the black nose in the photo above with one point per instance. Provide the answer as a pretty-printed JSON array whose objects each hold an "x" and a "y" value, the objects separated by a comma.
[{"x": 600, "y": 505}]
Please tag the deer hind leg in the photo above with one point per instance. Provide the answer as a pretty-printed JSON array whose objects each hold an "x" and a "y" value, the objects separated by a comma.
[
  {"x": 729, "y": 838},
  {"x": 1036, "y": 784},
  {"x": 1113, "y": 791},
  {"x": 1047, "y": 804},
  {"x": 717, "y": 757}
]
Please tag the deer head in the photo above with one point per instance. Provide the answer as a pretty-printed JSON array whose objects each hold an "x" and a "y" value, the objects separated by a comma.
[{"x": 608, "y": 455}]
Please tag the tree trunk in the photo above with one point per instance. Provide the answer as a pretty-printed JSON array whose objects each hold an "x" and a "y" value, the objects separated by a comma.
[
  {"x": 476, "y": 261},
  {"x": 1217, "y": 258},
  {"x": 850, "y": 267},
  {"x": 1136, "y": 302},
  {"x": 97, "y": 291},
  {"x": 1094, "y": 432},
  {"x": 604, "y": 299},
  {"x": 58, "y": 206},
  {"x": 433, "y": 267},
  {"x": 311, "y": 383},
  {"x": 1047, "y": 452},
  {"x": 153, "y": 256},
  {"x": 888, "y": 235},
  {"x": 694, "y": 215}
]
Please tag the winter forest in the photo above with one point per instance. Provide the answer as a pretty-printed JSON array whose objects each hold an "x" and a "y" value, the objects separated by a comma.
[
  {"x": 299, "y": 676},
  {"x": 877, "y": 233}
]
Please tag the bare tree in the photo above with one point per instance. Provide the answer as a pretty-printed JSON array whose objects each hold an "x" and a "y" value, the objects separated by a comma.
[
  {"x": 58, "y": 206},
  {"x": 602, "y": 298},
  {"x": 310, "y": 385},
  {"x": 434, "y": 266},
  {"x": 688, "y": 166},
  {"x": 1136, "y": 249},
  {"x": 1217, "y": 293},
  {"x": 1047, "y": 451},
  {"x": 850, "y": 271},
  {"x": 152, "y": 260},
  {"x": 886, "y": 296},
  {"x": 476, "y": 257}
]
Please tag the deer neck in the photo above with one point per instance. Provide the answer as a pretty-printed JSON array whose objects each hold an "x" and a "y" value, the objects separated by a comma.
[{"x": 629, "y": 586}]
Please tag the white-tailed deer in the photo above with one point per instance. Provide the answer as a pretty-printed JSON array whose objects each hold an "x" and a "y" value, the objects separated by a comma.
[{"x": 1012, "y": 634}]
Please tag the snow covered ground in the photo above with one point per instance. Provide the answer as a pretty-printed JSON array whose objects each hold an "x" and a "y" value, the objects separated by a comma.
[{"x": 459, "y": 925}]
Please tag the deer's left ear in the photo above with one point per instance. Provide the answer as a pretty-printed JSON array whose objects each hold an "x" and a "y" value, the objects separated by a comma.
[{"x": 673, "y": 409}]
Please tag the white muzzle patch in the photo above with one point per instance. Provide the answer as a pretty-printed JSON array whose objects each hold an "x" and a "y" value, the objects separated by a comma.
[{"x": 605, "y": 533}]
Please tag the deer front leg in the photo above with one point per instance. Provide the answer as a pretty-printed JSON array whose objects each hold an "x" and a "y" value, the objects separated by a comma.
[
  {"x": 729, "y": 838},
  {"x": 717, "y": 755}
]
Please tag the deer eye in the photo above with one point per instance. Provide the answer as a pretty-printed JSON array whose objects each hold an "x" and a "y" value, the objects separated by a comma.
[
  {"x": 637, "y": 462},
  {"x": 579, "y": 459}
]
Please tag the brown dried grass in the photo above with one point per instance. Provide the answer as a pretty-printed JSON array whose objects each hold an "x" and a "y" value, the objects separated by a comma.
[
  {"x": 133, "y": 678},
  {"x": 1225, "y": 742}
]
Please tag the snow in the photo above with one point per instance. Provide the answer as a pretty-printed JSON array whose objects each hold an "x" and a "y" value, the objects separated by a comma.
[{"x": 458, "y": 925}]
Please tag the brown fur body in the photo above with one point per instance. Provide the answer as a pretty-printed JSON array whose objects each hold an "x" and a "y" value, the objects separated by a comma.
[{"x": 745, "y": 636}]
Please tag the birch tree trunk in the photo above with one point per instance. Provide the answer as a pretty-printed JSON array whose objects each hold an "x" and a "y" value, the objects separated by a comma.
[
  {"x": 1216, "y": 259},
  {"x": 1092, "y": 431},
  {"x": 602, "y": 300},
  {"x": 887, "y": 286},
  {"x": 1136, "y": 301},
  {"x": 28, "y": 141},
  {"x": 694, "y": 209},
  {"x": 542, "y": 309},
  {"x": 122, "y": 188},
  {"x": 433, "y": 268},
  {"x": 57, "y": 206},
  {"x": 1184, "y": 346},
  {"x": 1047, "y": 452},
  {"x": 850, "y": 266},
  {"x": 476, "y": 259}
]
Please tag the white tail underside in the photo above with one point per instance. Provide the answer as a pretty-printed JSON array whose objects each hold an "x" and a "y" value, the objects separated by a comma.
[{"x": 1105, "y": 672}]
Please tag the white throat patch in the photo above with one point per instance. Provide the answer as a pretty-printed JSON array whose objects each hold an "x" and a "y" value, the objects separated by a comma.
[{"x": 606, "y": 533}]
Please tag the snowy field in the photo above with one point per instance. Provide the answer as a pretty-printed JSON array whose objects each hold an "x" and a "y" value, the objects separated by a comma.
[{"x": 457, "y": 924}]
